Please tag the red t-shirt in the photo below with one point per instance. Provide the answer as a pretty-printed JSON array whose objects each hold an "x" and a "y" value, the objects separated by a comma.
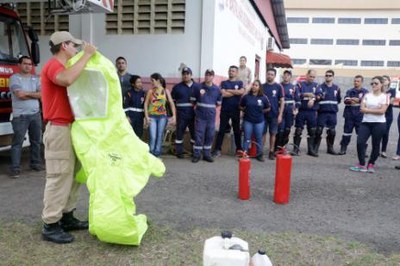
[{"x": 56, "y": 107}]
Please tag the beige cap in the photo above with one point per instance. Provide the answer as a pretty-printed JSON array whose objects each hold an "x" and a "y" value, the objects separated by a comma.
[{"x": 63, "y": 36}]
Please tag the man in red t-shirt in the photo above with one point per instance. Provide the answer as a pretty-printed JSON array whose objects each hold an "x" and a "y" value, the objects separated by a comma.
[{"x": 61, "y": 190}]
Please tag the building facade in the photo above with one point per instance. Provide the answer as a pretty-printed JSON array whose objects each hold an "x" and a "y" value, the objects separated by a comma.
[
  {"x": 162, "y": 35},
  {"x": 351, "y": 37}
]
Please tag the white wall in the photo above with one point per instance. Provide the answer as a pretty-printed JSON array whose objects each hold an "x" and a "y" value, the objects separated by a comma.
[{"x": 238, "y": 31}]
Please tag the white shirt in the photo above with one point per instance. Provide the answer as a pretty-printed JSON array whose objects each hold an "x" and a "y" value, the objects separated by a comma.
[{"x": 375, "y": 102}]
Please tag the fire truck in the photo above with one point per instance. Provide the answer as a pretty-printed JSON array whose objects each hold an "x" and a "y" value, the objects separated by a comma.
[
  {"x": 17, "y": 40},
  {"x": 395, "y": 84},
  {"x": 14, "y": 39}
]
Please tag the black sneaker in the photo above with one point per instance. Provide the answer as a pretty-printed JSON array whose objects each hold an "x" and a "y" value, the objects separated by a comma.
[
  {"x": 208, "y": 159},
  {"x": 195, "y": 159},
  {"x": 180, "y": 156},
  {"x": 271, "y": 155},
  {"x": 216, "y": 154},
  {"x": 68, "y": 222},
  {"x": 15, "y": 174},
  {"x": 54, "y": 233},
  {"x": 37, "y": 168},
  {"x": 260, "y": 158}
]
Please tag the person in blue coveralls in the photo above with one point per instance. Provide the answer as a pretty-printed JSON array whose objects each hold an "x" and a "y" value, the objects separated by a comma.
[
  {"x": 231, "y": 90},
  {"x": 391, "y": 92},
  {"x": 327, "y": 112},
  {"x": 282, "y": 138},
  {"x": 276, "y": 96},
  {"x": 254, "y": 106},
  {"x": 307, "y": 97},
  {"x": 133, "y": 104},
  {"x": 181, "y": 93},
  {"x": 352, "y": 114},
  {"x": 206, "y": 97}
]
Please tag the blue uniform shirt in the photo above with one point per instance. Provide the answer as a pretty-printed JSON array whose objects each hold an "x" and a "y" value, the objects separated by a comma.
[
  {"x": 231, "y": 104},
  {"x": 134, "y": 101},
  {"x": 181, "y": 93},
  {"x": 206, "y": 99},
  {"x": 301, "y": 100},
  {"x": 353, "y": 111},
  {"x": 289, "y": 90},
  {"x": 330, "y": 98},
  {"x": 274, "y": 92},
  {"x": 254, "y": 106}
]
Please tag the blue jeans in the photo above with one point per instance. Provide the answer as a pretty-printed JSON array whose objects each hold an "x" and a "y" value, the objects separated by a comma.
[
  {"x": 156, "y": 130},
  {"x": 21, "y": 124},
  {"x": 250, "y": 129}
]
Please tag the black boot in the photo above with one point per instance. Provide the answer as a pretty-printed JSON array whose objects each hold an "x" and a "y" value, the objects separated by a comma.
[
  {"x": 54, "y": 233},
  {"x": 296, "y": 142},
  {"x": 343, "y": 150},
  {"x": 311, "y": 146},
  {"x": 317, "y": 143},
  {"x": 279, "y": 141},
  {"x": 69, "y": 223},
  {"x": 286, "y": 136},
  {"x": 330, "y": 140}
]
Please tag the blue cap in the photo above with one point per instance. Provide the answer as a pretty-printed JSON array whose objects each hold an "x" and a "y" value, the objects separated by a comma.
[{"x": 186, "y": 70}]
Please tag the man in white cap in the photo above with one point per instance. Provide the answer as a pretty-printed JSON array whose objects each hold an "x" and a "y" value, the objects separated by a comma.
[{"x": 61, "y": 190}]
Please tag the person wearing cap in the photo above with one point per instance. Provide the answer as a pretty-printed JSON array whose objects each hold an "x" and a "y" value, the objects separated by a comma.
[
  {"x": 327, "y": 112},
  {"x": 123, "y": 74},
  {"x": 282, "y": 138},
  {"x": 276, "y": 96},
  {"x": 206, "y": 97},
  {"x": 231, "y": 90},
  {"x": 61, "y": 189},
  {"x": 181, "y": 93},
  {"x": 307, "y": 97},
  {"x": 133, "y": 104}
]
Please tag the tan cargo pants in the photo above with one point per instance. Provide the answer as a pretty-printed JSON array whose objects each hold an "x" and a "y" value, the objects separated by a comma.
[{"x": 61, "y": 190}]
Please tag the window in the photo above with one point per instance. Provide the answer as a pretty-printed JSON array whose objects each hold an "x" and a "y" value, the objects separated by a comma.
[
  {"x": 346, "y": 62},
  {"x": 297, "y": 20},
  {"x": 394, "y": 42},
  {"x": 297, "y": 61},
  {"x": 374, "y": 42},
  {"x": 322, "y": 41},
  {"x": 12, "y": 40},
  {"x": 35, "y": 15},
  {"x": 320, "y": 62},
  {"x": 371, "y": 63},
  {"x": 395, "y": 20},
  {"x": 347, "y": 42},
  {"x": 375, "y": 21},
  {"x": 298, "y": 41},
  {"x": 349, "y": 20},
  {"x": 323, "y": 20},
  {"x": 146, "y": 17},
  {"x": 393, "y": 63}
]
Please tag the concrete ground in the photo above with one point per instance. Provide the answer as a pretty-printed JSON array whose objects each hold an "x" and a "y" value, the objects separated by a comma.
[{"x": 326, "y": 198}]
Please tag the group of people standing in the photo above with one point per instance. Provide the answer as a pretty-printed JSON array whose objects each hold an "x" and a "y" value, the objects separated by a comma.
[{"x": 257, "y": 109}]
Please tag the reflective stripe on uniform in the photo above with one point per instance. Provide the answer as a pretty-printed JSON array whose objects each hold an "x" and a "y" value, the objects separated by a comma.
[
  {"x": 197, "y": 147},
  {"x": 355, "y": 104},
  {"x": 184, "y": 105},
  {"x": 178, "y": 141},
  {"x": 207, "y": 147},
  {"x": 206, "y": 105},
  {"x": 192, "y": 141},
  {"x": 328, "y": 102},
  {"x": 193, "y": 99},
  {"x": 347, "y": 134},
  {"x": 289, "y": 102},
  {"x": 134, "y": 109}
]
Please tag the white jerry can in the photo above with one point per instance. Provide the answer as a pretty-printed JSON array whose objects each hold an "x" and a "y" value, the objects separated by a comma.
[
  {"x": 260, "y": 259},
  {"x": 226, "y": 250}
]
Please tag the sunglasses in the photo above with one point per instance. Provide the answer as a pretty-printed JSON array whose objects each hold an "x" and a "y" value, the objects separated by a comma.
[
  {"x": 374, "y": 83},
  {"x": 313, "y": 77},
  {"x": 328, "y": 76}
]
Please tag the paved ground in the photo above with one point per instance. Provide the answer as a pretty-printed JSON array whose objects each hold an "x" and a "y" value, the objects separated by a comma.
[{"x": 326, "y": 198}]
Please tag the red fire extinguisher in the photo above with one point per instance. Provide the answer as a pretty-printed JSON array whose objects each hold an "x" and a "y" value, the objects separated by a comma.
[
  {"x": 282, "y": 176},
  {"x": 244, "y": 177},
  {"x": 253, "y": 148}
]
